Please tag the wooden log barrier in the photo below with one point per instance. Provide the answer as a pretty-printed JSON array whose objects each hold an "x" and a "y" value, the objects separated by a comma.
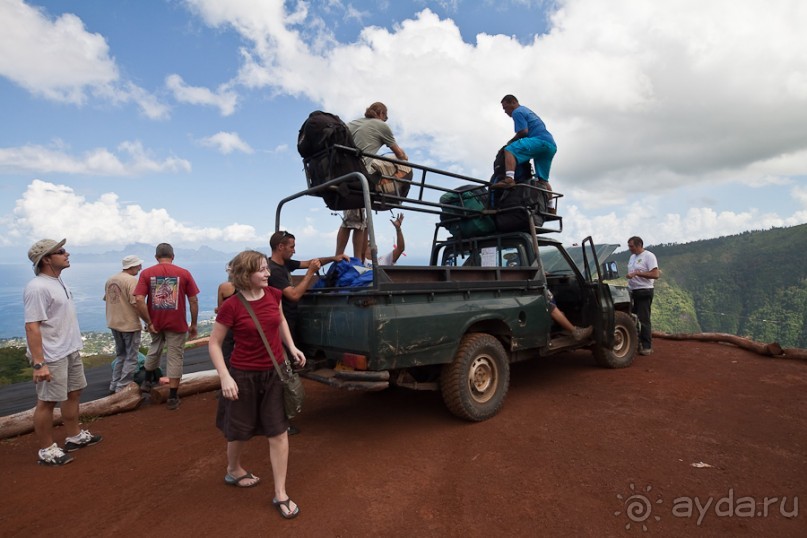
[
  {"x": 769, "y": 350},
  {"x": 23, "y": 422},
  {"x": 192, "y": 383}
]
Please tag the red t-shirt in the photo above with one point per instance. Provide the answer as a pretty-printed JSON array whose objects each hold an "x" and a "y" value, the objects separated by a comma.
[
  {"x": 249, "y": 352},
  {"x": 166, "y": 287}
]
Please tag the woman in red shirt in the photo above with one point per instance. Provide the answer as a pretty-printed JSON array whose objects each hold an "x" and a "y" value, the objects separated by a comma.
[{"x": 252, "y": 392}]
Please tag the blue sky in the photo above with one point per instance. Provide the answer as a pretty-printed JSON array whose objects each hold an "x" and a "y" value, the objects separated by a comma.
[{"x": 170, "y": 120}]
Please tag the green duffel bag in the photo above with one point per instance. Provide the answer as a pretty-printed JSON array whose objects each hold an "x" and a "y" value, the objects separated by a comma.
[{"x": 467, "y": 220}]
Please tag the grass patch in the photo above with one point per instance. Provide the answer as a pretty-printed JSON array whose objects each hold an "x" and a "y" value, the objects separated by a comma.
[{"x": 94, "y": 361}]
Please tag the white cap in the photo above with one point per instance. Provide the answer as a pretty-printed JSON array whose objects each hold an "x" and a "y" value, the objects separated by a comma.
[{"x": 131, "y": 261}]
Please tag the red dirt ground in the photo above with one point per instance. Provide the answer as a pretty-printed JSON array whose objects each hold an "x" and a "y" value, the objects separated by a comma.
[{"x": 576, "y": 451}]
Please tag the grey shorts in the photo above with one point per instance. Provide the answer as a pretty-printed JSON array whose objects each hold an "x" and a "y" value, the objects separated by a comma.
[
  {"x": 175, "y": 344},
  {"x": 353, "y": 219},
  {"x": 66, "y": 375}
]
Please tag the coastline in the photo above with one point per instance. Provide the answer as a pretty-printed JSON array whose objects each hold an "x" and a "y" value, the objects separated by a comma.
[{"x": 102, "y": 343}]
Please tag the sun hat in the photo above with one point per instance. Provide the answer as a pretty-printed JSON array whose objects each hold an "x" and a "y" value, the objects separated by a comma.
[
  {"x": 131, "y": 261},
  {"x": 42, "y": 248}
]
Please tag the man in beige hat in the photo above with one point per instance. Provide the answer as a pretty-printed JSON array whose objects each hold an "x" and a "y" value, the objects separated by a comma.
[
  {"x": 54, "y": 342},
  {"x": 124, "y": 322}
]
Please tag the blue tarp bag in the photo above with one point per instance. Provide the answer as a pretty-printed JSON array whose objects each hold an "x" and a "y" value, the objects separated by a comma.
[{"x": 346, "y": 274}]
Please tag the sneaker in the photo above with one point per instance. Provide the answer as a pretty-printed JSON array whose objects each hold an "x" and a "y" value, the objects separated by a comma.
[
  {"x": 293, "y": 430},
  {"x": 53, "y": 455},
  {"x": 581, "y": 333},
  {"x": 172, "y": 404},
  {"x": 83, "y": 439},
  {"x": 646, "y": 351}
]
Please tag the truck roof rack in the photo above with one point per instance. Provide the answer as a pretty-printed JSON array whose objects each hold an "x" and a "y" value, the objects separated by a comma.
[{"x": 430, "y": 190}]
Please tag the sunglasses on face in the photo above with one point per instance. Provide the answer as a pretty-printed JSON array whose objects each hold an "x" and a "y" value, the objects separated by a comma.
[{"x": 60, "y": 252}]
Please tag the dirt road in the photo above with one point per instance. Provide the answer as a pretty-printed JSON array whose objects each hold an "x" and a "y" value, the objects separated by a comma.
[{"x": 697, "y": 439}]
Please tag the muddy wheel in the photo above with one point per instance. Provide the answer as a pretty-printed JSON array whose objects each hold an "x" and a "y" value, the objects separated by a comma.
[
  {"x": 626, "y": 340},
  {"x": 475, "y": 383}
]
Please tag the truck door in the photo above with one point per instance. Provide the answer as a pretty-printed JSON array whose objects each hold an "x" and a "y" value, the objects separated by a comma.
[{"x": 603, "y": 321}]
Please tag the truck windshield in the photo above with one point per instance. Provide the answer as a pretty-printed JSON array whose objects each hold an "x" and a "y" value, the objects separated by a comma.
[
  {"x": 555, "y": 263},
  {"x": 485, "y": 256}
]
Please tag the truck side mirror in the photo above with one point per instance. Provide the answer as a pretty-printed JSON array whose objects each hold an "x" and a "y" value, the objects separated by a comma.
[{"x": 609, "y": 270}]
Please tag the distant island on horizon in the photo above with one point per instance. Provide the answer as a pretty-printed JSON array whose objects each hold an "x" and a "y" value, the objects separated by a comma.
[{"x": 9, "y": 255}]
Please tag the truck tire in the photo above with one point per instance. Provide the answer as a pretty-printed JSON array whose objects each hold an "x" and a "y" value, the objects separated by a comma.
[
  {"x": 626, "y": 340},
  {"x": 475, "y": 383}
]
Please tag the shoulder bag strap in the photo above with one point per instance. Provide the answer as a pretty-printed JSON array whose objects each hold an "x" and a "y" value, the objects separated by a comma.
[{"x": 246, "y": 304}]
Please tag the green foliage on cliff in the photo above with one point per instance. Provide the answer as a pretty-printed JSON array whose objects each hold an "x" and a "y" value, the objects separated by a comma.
[
  {"x": 13, "y": 365},
  {"x": 753, "y": 285}
]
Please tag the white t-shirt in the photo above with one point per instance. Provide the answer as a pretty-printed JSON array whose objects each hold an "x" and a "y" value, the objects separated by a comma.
[
  {"x": 48, "y": 300},
  {"x": 385, "y": 259},
  {"x": 644, "y": 262}
]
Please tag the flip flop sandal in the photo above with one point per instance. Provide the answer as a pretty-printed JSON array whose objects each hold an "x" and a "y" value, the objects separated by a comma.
[
  {"x": 280, "y": 504},
  {"x": 230, "y": 480}
]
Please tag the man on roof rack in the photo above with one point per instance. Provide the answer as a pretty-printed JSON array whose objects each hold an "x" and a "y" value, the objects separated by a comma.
[
  {"x": 531, "y": 141},
  {"x": 370, "y": 134}
]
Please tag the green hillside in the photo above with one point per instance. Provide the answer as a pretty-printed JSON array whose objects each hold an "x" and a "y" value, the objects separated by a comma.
[{"x": 753, "y": 284}]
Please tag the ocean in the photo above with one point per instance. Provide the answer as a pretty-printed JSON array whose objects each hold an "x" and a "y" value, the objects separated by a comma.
[{"x": 86, "y": 281}]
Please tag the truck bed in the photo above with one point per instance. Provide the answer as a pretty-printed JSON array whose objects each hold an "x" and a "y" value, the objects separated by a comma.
[
  {"x": 416, "y": 315},
  {"x": 399, "y": 277}
]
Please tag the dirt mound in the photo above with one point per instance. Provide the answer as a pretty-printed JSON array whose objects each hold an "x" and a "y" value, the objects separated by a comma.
[{"x": 698, "y": 438}]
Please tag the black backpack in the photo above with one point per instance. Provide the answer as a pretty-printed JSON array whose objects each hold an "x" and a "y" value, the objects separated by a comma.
[
  {"x": 520, "y": 207},
  {"x": 323, "y": 162},
  {"x": 523, "y": 175}
]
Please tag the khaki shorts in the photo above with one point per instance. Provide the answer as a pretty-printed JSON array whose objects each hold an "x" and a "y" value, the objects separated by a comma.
[
  {"x": 389, "y": 171},
  {"x": 354, "y": 219},
  {"x": 175, "y": 350},
  {"x": 66, "y": 375}
]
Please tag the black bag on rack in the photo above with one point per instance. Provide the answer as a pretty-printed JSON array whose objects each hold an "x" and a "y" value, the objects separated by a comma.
[
  {"x": 519, "y": 207},
  {"x": 316, "y": 142},
  {"x": 523, "y": 175}
]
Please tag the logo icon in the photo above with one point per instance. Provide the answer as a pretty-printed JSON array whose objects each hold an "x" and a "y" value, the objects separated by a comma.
[{"x": 638, "y": 507}]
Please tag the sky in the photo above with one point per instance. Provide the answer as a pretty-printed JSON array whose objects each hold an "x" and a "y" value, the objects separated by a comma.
[{"x": 176, "y": 120}]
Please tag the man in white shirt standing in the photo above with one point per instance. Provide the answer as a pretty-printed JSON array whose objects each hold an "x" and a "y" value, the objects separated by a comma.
[
  {"x": 642, "y": 271},
  {"x": 390, "y": 258},
  {"x": 54, "y": 343}
]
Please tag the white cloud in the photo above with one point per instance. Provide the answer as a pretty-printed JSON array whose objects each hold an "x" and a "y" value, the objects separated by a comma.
[
  {"x": 649, "y": 101},
  {"x": 226, "y": 143},
  {"x": 648, "y": 219},
  {"x": 131, "y": 160},
  {"x": 147, "y": 102},
  {"x": 800, "y": 195},
  {"x": 223, "y": 98},
  {"x": 632, "y": 92},
  {"x": 50, "y": 210},
  {"x": 58, "y": 59}
]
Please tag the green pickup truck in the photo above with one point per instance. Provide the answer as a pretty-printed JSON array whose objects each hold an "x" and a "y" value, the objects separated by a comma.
[{"x": 457, "y": 324}]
